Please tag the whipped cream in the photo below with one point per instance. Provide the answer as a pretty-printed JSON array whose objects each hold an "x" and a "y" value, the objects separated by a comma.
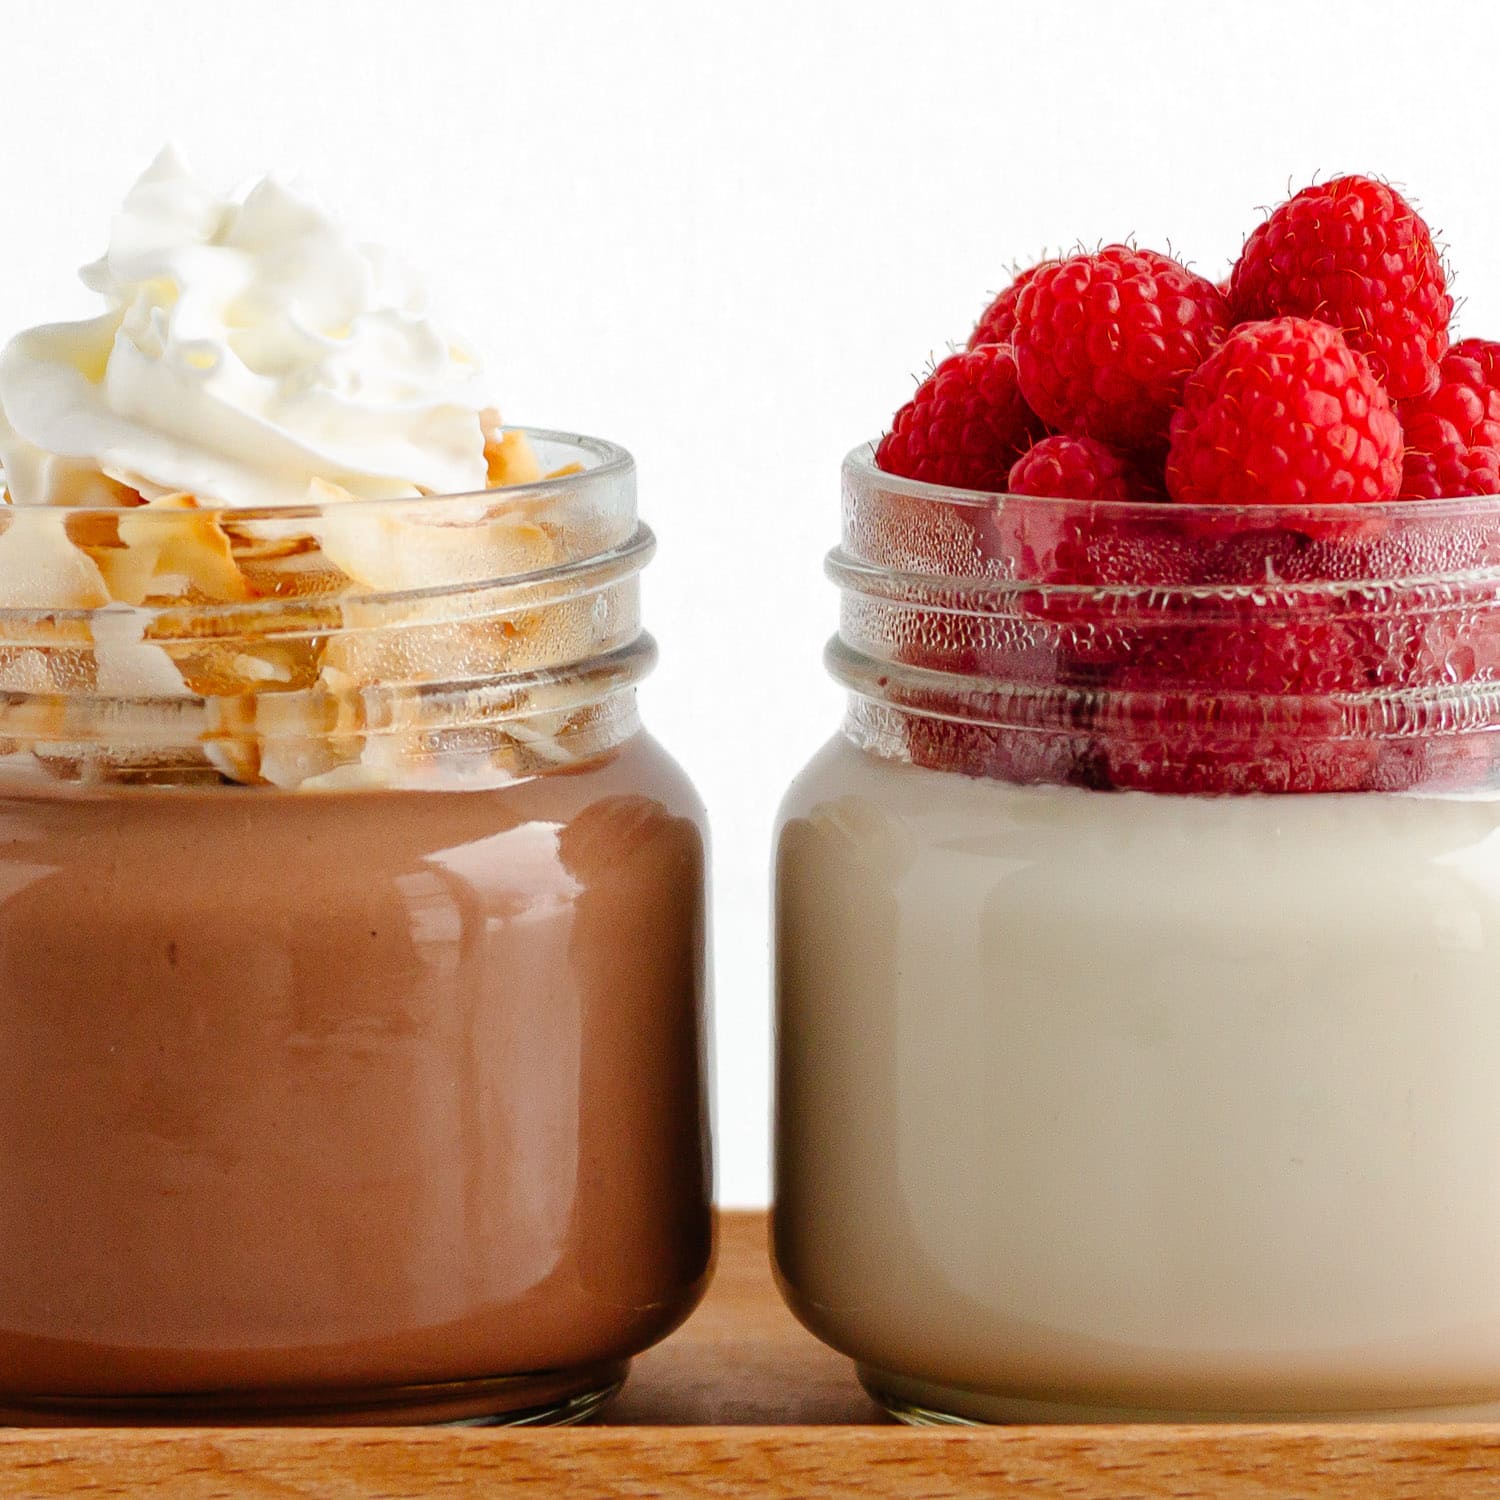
[
  {"x": 253, "y": 355},
  {"x": 249, "y": 348}
]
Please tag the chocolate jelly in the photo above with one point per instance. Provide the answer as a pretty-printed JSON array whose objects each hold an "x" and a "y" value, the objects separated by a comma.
[
  {"x": 383, "y": 1105},
  {"x": 352, "y": 960}
]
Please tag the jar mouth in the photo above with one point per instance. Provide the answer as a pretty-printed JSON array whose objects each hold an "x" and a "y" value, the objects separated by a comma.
[
  {"x": 592, "y": 493},
  {"x": 1165, "y": 647},
  {"x": 859, "y": 466},
  {"x": 877, "y": 505},
  {"x": 602, "y": 461}
]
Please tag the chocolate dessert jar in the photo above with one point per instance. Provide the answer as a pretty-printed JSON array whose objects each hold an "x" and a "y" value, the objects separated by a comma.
[
  {"x": 1138, "y": 961},
  {"x": 352, "y": 962}
]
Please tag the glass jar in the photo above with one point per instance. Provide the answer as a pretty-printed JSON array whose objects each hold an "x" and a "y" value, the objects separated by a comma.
[
  {"x": 1138, "y": 961},
  {"x": 352, "y": 961}
]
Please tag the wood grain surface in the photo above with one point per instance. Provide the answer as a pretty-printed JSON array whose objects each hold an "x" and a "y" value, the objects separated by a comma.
[
  {"x": 741, "y": 1402},
  {"x": 1135, "y": 1463},
  {"x": 742, "y": 1358}
]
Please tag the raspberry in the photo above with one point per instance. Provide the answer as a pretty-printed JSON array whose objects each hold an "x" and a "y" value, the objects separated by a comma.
[
  {"x": 966, "y": 425},
  {"x": 1450, "y": 472},
  {"x": 1453, "y": 434},
  {"x": 1465, "y": 407},
  {"x": 1020, "y": 757},
  {"x": 1084, "y": 548},
  {"x": 1233, "y": 627},
  {"x": 1104, "y": 342},
  {"x": 1075, "y": 468},
  {"x": 1284, "y": 413},
  {"x": 1237, "y": 645},
  {"x": 1353, "y": 253},
  {"x": 997, "y": 324},
  {"x": 1239, "y": 767}
]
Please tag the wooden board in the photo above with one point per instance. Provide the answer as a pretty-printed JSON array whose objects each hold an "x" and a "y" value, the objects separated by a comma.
[
  {"x": 742, "y": 1358},
  {"x": 742, "y": 1402}
]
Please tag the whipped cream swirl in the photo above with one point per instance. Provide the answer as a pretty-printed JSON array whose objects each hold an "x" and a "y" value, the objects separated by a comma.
[{"x": 249, "y": 347}]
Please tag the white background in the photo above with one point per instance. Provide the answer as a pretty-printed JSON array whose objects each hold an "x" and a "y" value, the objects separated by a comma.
[{"x": 728, "y": 234}]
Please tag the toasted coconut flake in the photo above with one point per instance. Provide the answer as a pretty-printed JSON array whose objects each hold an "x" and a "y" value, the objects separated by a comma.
[
  {"x": 321, "y": 699},
  {"x": 42, "y": 568},
  {"x": 508, "y": 454},
  {"x": 189, "y": 545}
]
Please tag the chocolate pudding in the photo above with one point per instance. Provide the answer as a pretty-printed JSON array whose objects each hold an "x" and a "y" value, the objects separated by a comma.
[
  {"x": 352, "y": 931},
  {"x": 383, "y": 1104}
]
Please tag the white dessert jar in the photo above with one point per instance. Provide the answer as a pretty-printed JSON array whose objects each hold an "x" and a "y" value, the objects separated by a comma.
[{"x": 1138, "y": 1013}]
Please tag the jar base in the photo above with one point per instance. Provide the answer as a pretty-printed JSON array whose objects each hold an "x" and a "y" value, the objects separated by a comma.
[
  {"x": 554, "y": 1398},
  {"x": 920, "y": 1403}
]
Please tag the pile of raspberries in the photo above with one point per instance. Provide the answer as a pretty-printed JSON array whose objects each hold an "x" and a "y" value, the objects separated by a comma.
[{"x": 1319, "y": 372}]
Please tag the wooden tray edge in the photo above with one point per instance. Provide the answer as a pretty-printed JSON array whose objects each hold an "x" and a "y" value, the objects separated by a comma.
[{"x": 1430, "y": 1461}]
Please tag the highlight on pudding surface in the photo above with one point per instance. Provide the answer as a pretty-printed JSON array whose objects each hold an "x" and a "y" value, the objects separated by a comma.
[
  {"x": 1260, "y": 489},
  {"x": 208, "y": 448}
]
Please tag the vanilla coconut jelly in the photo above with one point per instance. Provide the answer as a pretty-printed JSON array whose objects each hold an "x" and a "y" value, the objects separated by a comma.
[{"x": 1137, "y": 1001}]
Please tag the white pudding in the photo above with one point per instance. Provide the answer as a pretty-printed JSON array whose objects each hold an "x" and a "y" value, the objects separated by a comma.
[{"x": 1122, "y": 1105}]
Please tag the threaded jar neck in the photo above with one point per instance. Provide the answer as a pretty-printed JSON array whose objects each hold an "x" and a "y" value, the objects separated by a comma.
[
  {"x": 1170, "y": 648},
  {"x": 453, "y": 640}
]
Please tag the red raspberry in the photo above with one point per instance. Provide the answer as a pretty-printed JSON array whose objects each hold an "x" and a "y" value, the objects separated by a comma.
[
  {"x": 1453, "y": 434},
  {"x": 997, "y": 324},
  {"x": 1230, "y": 766},
  {"x": 1085, "y": 548},
  {"x": 1021, "y": 757},
  {"x": 1354, "y": 253},
  {"x": 1450, "y": 473},
  {"x": 1465, "y": 407},
  {"x": 1104, "y": 342},
  {"x": 1075, "y": 468},
  {"x": 966, "y": 425},
  {"x": 1284, "y": 413},
  {"x": 1210, "y": 653}
]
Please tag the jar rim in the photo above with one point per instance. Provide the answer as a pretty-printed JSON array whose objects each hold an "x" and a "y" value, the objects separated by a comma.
[
  {"x": 611, "y": 462},
  {"x": 859, "y": 464},
  {"x": 604, "y": 486}
]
